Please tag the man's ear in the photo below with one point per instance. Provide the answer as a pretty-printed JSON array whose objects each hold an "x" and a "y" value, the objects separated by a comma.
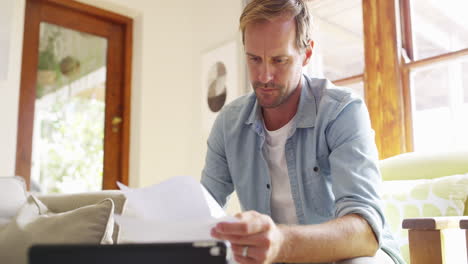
[{"x": 308, "y": 53}]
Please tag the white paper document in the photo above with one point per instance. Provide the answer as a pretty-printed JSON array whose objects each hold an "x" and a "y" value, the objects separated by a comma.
[{"x": 177, "y": 210}]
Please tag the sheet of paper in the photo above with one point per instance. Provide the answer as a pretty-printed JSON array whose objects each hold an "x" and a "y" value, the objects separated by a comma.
[
  {"x": 215, "y": 210},
  {"x": 172, "y": 200},
  {"x": 150, "y": 231},
  {"x": 179, "y": 209}
]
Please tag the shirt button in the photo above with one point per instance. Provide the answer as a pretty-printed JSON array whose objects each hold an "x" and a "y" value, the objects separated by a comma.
[
  {"x": 268, "y": 186},
  {"x": 316, "y": 169}
]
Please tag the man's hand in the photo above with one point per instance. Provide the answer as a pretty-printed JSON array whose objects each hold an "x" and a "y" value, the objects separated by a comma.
[{"x": 256, "y": 231}]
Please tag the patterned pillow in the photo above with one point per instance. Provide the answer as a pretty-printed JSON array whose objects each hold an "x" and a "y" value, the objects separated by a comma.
[{"x": 445, "y": 196}]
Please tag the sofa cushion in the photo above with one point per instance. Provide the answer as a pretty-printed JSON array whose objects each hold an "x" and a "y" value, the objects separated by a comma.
[
  {"x": 59, "y": 203},
  {"x": 444, "y": 196},
  {"x": 424, "y": 165},
  {"x": 35, "y": 224},
  {"x": 12, "y": 197}
]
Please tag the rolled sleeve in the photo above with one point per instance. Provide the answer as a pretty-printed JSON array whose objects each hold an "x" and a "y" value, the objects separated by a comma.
[
  {"x": 215, "y": 175},
  {"x": 353, "y": 163}
]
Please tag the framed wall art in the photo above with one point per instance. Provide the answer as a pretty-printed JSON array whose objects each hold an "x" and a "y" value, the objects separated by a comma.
[{"x": 220, "y": 81}]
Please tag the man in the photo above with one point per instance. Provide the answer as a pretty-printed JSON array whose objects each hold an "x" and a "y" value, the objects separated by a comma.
[{"x": 299, "y": 152}]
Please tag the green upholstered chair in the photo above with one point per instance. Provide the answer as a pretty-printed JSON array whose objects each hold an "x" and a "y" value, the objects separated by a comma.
[{"x": 427, "y": 233}]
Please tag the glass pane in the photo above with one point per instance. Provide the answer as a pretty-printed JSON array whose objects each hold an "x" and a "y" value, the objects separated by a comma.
[
  {"x": 439, "y": 26},
  {"x": 358, "y": 88},
  {"x": 440, "y": 108},
  {"x": 69, "y": 111},
  {"x": 338, "y": 36}
]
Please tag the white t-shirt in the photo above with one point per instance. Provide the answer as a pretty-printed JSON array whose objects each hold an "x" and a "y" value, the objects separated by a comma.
[{"x": 283, "y": 210}]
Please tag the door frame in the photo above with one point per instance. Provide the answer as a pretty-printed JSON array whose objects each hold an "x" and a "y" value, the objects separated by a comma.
[{"x": 116, "y": 163}]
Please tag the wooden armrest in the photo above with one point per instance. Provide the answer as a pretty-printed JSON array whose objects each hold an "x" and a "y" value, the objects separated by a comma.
[
  {"x": 464, "y": 223},
  {"x": 425, "y": 237},
  {"x": 433, "y": 223}
]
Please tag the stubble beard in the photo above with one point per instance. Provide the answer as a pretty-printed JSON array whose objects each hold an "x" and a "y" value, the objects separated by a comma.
[{"x": 281, "y": 97}]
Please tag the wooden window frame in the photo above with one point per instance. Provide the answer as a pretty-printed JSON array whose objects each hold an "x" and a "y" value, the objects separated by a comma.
[
  {"x": 389, "y": 59},
  {"x": 382, "y": 76},
  {"x": 383, "y": 79},
  {"x": 350, "y": 80}
]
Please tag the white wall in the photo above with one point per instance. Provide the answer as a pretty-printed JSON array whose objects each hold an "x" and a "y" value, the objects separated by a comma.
[
  {"x": 216, "y": 22},
  {"x": 170, "y": 36},
  {"x": 9, "y": 89}
]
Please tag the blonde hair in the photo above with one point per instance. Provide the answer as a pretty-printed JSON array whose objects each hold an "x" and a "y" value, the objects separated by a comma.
[{"x": 260, "y": 10}]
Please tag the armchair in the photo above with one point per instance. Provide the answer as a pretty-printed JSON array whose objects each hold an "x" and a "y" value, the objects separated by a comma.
[{"x": 430, "y": 225}]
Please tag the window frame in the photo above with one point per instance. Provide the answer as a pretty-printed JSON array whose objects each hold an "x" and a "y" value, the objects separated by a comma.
[{"x": 388, "y": 65}]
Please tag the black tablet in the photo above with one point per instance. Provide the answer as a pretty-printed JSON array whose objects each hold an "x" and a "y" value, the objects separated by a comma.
[{"x": 210, "y": 252}]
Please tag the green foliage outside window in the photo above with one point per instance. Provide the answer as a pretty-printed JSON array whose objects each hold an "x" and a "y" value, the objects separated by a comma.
[{"x": 71, "y": 146}]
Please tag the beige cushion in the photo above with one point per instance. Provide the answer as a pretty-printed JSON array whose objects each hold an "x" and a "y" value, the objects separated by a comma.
[
  {"x": 66, "y": 202},
  {"x": 59, "y": 203},
  {"x": 35, "y": 224},
  {"x": 12, "y": 197}
]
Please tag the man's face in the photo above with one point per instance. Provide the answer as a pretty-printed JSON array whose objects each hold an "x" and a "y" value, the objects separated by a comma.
[{"x": 274, "y": 62}]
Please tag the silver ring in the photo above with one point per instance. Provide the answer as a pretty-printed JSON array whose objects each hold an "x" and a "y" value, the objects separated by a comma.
[{"x": 245, "y": 251}]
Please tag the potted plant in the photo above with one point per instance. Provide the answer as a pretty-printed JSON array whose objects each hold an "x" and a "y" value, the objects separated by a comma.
[{"x": 47, "y": 65}]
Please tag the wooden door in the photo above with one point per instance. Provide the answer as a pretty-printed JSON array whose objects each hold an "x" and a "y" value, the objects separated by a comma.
[{"x": 91, "y": 24}]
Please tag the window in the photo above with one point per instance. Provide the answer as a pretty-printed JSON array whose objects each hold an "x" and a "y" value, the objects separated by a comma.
[
  {"x": 436, "y": 41},
  {"x": 439, "y": 27},
  {"x": 439, "y": 115},
  {"x": 338, "y": 35},
  {"x": 415, "y": 80},
  {"x": 68, "y": 139}
]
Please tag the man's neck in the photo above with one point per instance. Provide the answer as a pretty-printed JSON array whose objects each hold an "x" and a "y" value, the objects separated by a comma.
[{"x": 276, "y": 118}]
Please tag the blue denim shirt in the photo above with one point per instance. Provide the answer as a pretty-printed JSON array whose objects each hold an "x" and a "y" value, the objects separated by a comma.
[{"x": 330, "y": 154}]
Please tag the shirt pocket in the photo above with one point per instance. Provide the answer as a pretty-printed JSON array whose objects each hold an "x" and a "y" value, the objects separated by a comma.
[{"x": 318, "y": 192}]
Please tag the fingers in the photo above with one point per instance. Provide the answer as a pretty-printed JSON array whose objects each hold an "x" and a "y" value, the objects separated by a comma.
[
  {"x": 250, "y": 222},
  {"x": 258, "y": 239},
  {"x": 253, "y": 230}
]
